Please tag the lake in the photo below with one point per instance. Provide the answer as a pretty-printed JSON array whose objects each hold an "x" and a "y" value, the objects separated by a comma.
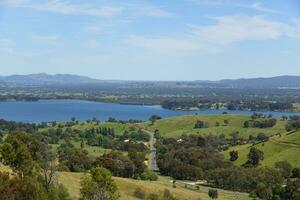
[{"x": 64, "y": 110}]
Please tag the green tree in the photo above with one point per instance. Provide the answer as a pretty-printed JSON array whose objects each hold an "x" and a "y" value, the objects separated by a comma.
[
  {"x": 254, "y": 157},
  {"x": 99, "y": 185},
  {"x": 213, "y": 194},
  {"x": 234, "y": 155}
]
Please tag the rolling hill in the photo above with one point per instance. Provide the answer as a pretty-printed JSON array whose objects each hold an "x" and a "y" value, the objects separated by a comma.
[
  {"x": 284, "y": 148},
  {"x": 176, "y": 126}
]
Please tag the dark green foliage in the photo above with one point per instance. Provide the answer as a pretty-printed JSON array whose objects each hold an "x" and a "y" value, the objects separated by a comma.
[
  {"x": 213, "y": 194},
  {"x": 119, "y": 164},
  {"x": 199, "y": 124},
  {"x": 254, "y": 157},
  {"x": 285, "y": 168},
  {"x": 234, "y": 155},
  {"x": 76, "y": 160},
  {"x": 265, "y": 123},
  {"x": 296, "y": 173},
  {"x": 149, "y": 175}
]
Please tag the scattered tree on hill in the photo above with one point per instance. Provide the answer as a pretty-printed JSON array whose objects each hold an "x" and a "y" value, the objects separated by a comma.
[{"x": 98, "y": 185}]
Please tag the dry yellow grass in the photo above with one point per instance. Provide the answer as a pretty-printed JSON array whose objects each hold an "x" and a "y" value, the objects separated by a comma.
[{"x": 127, "y": 186}]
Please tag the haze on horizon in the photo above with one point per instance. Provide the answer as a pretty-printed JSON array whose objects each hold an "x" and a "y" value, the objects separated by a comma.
[{"x": 151, "y": 40}]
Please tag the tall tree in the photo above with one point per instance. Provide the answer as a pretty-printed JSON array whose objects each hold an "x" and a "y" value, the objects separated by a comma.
[{"x": 99, "y": 185}]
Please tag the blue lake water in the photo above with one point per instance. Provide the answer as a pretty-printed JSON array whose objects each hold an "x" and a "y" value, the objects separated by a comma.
[{"x": 64, "y": 110}]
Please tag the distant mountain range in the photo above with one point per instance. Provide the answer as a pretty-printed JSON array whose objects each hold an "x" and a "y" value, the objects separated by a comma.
[
  {"x": 47, "y": 79},
  {"x": 273, "y": 82},
  {"x": 67, "y": 79}
]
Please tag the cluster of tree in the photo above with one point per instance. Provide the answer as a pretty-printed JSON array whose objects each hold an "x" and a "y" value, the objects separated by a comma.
[
  {"x": 266, "y": 123},
  {"x": 187, "y": 105},
  {"x": 201, "y": 124},
  {"x": 12, "y": 126},
  {"x": 188, "y": 158},
  {"x": 131, "y": 166},
  {"x": 136, "y": 136},
  {"x": 194, "y": 157},
  {"x": 73, "y": 159},
  {"x": 34, "y": 170},
  {"x": 293, "y": 123},
  {"x": 259, "y": 105}
]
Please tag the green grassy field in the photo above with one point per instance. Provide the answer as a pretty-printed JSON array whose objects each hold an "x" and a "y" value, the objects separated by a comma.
[
  {"x": 92, "y": 150},
  {"x": 118, "y": 127},
  {"x": 284, "y": 148},
  {"x": 127, "y": 187},
  {"x": 176, "y": 126}
]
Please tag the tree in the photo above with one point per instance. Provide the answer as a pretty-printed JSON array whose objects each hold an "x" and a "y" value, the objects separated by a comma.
[
  {"x": 15, "y": 152},
  {"x": 99, "y": 185},
  {"x": 154, "y": 118},
  {"x": 285, "y": 168},
  {"x": 199, "y": 124},
  {"x": 213, "y": 194},
  {"x": 254, "y": 157},
  {"x": 234, "y": 155},
  {"x": 226, "y": 122}
]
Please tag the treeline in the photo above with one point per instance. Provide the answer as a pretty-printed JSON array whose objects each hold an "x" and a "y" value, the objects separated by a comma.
[{"x": 249, "y": 105}]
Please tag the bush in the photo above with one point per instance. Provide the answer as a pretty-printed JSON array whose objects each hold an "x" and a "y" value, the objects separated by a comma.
[
  {"x": 213, "y": 194},
  {"x": 149, "y": 175},
  {"x": 139, "y": 193}
]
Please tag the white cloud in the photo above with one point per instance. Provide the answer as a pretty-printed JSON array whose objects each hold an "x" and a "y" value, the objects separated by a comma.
[
  {"x": 107, "y": 26},
  {"x": 45, "y": 38},
  {"x": 209, "y": 2},
  {"x": 92, "y": 44},
  {"x": 236, "y": 28},
  {"x": 89, "y": 9},
  {"x": 161, "y": 43},
  {"x": 259, "y": 7},
  {"x": 225, "y": 31}
]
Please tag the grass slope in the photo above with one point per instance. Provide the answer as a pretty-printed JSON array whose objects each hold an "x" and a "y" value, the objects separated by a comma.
[
  {"x": 176, "y": 126},
  {"x": 284, "y": 148},
  {"x": 128, "y": 186}
]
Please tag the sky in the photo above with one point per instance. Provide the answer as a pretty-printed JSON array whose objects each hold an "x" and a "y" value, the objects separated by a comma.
[{"x": 151, "y": 39}]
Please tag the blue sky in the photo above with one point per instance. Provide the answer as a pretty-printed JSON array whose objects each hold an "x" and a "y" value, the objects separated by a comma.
[{"x": 151, "y": 40}]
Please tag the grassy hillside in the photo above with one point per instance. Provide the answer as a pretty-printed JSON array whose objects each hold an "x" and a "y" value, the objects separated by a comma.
[
  {"x": 173, "y": 127},
  {"x": 128, "y": 186},
  {"x": 286, "y": 147}
]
